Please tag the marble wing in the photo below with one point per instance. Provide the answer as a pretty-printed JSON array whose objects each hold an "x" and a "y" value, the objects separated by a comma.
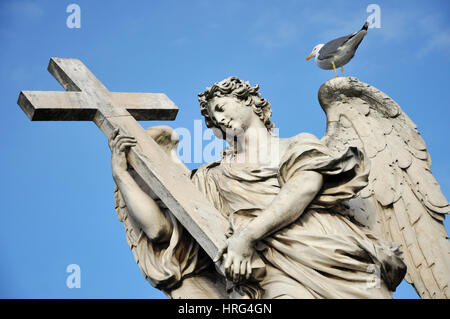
[{"x": 403, "y": 201}]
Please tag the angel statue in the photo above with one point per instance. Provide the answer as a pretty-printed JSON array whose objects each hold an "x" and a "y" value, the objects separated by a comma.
[{"x": 345, "y": 216}]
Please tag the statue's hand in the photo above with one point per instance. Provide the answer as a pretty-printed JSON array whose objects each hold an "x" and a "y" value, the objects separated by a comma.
[
  {"x": 119, "y": 144},
  {"x": 237, "y": 259}
]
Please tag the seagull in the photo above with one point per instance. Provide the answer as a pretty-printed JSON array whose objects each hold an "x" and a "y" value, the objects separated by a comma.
[{"x": 338, "y": 52}]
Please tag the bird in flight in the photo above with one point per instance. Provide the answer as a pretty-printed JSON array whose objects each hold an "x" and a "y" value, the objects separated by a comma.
[{"x": 338, "y": 52}]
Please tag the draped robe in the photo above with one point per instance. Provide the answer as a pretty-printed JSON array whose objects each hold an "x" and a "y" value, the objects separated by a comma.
[{"x": 323, "y": 254}]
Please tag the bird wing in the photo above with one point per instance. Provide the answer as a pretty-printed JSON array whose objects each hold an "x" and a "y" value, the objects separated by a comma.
[
  {"x": 406, "y": 200},
  {"x": 332, "y": 47}
]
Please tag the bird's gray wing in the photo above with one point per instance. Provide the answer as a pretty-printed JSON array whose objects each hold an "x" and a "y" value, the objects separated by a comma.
[{"x": 330, "y": 49}]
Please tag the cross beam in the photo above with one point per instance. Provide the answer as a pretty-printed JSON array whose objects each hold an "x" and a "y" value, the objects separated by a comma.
[
  {"x": 88, "y": 99},
  {"x": 75, "y": 106}
]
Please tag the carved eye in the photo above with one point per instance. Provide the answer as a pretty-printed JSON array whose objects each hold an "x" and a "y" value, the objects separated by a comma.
[{"x": 219, "y": 108}]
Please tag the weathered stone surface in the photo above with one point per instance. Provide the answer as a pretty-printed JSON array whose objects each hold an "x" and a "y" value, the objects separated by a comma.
[
  {"x": 326, "y": 215},
  {"x": 409, "y": 204},
  {"x": 77, "y": 106},
  {"x": 89, "y": 99}
]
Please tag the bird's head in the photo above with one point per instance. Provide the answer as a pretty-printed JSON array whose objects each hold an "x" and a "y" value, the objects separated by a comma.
[{"x": 315, "y": 51}]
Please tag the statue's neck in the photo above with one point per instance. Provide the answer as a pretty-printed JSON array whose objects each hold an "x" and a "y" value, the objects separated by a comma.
[{"x": 257, "y": 145}]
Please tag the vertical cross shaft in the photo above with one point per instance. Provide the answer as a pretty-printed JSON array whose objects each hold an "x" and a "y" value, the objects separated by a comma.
[{"x": 88, "y": 99}]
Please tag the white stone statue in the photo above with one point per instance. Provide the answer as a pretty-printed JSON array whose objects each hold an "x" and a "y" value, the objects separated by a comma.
[{"x": 345, "y": 216}]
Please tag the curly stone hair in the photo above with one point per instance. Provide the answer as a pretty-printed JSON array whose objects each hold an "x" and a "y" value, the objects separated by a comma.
[{"x": 241, "y": 90}]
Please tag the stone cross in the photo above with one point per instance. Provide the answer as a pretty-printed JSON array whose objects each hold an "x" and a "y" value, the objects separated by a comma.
[{"x": 88, "y": 99}]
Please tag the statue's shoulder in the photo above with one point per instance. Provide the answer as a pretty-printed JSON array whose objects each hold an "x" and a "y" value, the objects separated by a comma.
[
  {"x": 299, "y": 139},
  {"x": 204, "y": 168},
  {"x": 304, "y": 136},
  {"x": 300, "y": 143}
]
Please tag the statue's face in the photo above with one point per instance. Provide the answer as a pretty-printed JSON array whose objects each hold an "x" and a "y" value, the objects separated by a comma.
[{"x": 232, "y": 116}]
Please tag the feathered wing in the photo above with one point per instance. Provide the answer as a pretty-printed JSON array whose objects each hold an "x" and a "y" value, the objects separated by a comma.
[{"x": 402, "y": 196}]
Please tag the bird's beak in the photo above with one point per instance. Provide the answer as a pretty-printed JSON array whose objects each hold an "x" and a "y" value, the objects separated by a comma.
[{"x": 309, "y": 57}]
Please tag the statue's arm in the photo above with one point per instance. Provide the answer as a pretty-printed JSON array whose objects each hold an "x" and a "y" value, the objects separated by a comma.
[
  {"x": 141, "y": 207},
  {"x": 294, "y": 196}
]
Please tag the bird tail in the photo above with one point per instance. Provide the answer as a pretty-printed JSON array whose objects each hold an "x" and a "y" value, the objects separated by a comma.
[{"x": 365, "y": 26}]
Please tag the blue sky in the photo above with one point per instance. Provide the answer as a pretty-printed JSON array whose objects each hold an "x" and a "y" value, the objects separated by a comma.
[{"x": 57, "y": 194}]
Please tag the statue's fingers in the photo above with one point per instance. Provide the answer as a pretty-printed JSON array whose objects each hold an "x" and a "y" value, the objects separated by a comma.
[
  {"x": 112, "y": 138},
  {"x": 224, "y": 257},
  {"x": 236, "y": 271},
  {"x": 117, "y": 139},
  {"x": 119, "y": 143},
  {"x": 125, "y": 139},
  {"x": 243, "y": 267},
  {"x": 122, "y": 138},
  {"x": 228, "y": 261},
  {"x": 249, "y": 270},
  {"x": 243, "y": 270},
  {"x": 125, "y": 136},
  {"x": 124, "y": 146},
  {"x": 220, "y": 253},
  {"x": 228, "y": 271}
]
